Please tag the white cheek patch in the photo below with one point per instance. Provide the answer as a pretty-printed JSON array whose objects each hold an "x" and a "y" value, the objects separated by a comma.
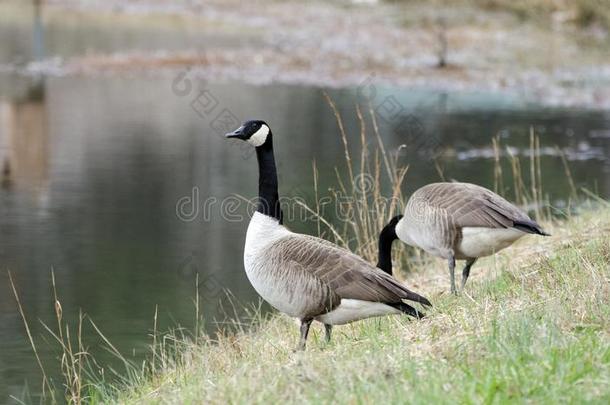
[{"x": 259, "y": 136}]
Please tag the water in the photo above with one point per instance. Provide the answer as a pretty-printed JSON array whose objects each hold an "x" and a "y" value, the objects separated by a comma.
[
  {"x": 94, "y": 169},
  {"x": 98, "y": 166}
]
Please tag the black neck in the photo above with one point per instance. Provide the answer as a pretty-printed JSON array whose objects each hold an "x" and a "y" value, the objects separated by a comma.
[
  {"x": 268, "y": 198},
  {"x": 386, "y": 237}
]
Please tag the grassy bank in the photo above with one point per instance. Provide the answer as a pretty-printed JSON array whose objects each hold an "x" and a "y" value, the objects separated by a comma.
[{"x": 533, "y": 324}]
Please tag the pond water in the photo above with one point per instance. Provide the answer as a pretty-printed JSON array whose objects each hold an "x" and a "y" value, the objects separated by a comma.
[{"x": 95, "y": 169}]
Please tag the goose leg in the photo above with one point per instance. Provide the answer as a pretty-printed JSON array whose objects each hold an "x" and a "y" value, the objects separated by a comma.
[
  {"x": 452, "y": 273},
  {"x": 305, "y": 324},
  {"x": 328, "y": 329},
  {"x": 466, "y": 271}
]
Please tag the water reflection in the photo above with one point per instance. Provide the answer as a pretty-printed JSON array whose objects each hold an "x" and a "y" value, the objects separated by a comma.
[
  {"x": 94, "y": 167},
  {"x": 24, "y": 141}
]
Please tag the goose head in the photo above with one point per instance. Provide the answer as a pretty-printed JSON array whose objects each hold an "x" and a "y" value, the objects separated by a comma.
[{"x": 255, "y": 132}]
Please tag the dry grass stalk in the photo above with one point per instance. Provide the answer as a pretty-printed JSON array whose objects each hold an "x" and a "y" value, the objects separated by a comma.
[{"x": 46, "y": 386}]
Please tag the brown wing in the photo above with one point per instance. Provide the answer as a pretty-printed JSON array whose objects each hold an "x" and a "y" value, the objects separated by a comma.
[
  {"x": 310, "y": 291},
  {"x": 347, "y": 275},
  {"x": 469, "y": 205}
]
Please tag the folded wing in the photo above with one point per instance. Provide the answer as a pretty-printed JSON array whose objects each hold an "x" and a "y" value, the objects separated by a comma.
[
  {"x": 347, "y": 275},
  {"x": 469, "y": 205}
]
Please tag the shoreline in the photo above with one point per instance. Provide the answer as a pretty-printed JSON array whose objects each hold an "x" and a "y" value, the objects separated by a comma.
[{"x": 493, "y": 51}]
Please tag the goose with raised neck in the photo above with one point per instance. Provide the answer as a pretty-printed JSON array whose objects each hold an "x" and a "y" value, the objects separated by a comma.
[{"x": 307, "y": 277}]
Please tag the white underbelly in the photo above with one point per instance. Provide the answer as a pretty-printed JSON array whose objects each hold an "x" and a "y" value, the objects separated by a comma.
[
  {"x": 277, "y": 295},
  {"x": 422, "y": 239},
  {"x": 479, "y": 241},
  {"x": 353, "y": 310}
]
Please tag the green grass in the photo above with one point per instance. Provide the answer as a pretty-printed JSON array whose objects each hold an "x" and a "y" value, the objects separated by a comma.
[{"x": 532, "y": 326}]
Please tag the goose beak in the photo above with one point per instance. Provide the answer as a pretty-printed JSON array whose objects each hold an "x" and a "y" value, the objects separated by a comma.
[{"x": 237, "y": 134}]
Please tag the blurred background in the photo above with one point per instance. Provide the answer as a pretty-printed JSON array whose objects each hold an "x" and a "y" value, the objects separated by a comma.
[{"x": 113, "y": 167}]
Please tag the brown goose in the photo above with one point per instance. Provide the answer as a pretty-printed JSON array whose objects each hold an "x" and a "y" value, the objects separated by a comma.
[
  {"x": 460, "y": 221},
  {"x": 306, "y": 277}
]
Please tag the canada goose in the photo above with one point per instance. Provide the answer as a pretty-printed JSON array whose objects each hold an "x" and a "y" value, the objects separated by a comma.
[
  {"x": 307, "y": 277},
  {"x": 459, "y": 221}
]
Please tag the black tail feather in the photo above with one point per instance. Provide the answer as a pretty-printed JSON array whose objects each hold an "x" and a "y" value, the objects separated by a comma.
[
  {"x": 407, "y": 309},
  {"x": 529, "y": 227},
  {"x": 398, "y": 288},
  {"x": 411, "y": 296}
]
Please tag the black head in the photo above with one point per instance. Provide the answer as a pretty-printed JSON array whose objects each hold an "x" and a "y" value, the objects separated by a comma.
[{"x": 256, "y": 132}]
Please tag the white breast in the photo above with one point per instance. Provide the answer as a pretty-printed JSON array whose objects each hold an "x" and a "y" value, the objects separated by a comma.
[
  {"x": 263, "y": 231},
  {"x": 353, "y": 310},
  {"x": 479, "y": 241}
]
